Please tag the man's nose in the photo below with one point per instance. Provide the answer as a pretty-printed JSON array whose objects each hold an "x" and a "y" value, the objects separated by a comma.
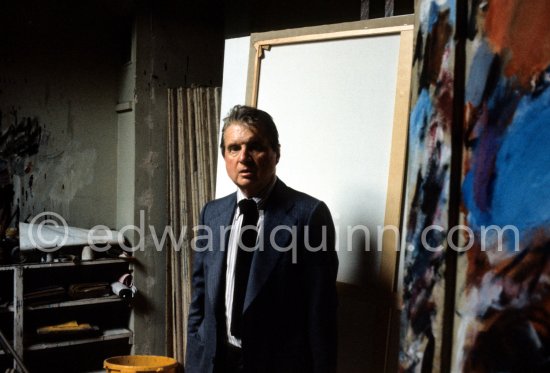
[{"x": 244, "y": 155}]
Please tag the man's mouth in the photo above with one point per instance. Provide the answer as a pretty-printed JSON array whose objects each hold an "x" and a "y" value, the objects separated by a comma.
[{"x": 246, "y": 172}]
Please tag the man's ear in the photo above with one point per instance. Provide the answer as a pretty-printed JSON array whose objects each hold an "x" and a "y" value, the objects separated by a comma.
[{"x": 278, "y": 153}]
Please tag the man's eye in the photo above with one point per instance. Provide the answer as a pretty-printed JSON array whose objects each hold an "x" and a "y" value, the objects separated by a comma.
[
  {"x": 233, "y": 148},
  {"x": 256, "y": 147}
]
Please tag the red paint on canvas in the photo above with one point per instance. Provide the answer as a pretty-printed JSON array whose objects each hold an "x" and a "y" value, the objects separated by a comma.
[{"x": 518, "y": 31}]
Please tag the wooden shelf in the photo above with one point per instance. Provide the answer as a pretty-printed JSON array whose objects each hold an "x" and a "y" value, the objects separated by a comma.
[
  {"x": 20, "y": 310},
  {"x": 72, "y": 303},
  {"x": 66, "y": 264},
  {"x": 107, "y": 335}
]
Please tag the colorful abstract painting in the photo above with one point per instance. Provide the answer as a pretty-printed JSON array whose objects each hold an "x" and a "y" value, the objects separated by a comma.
[
  {"x": 427, "y": 196},
  {"x": 503, "y": 305}
]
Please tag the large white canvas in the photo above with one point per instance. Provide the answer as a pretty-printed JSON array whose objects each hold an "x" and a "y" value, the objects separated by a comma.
[{"x": 333, "y": 102}]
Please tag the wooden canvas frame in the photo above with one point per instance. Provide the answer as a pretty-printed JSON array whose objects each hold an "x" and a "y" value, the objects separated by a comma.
[{"x": 395, "y": 190}]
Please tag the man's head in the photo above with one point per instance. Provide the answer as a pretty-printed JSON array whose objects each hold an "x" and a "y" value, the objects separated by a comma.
[{"x": 250, "y": 148}]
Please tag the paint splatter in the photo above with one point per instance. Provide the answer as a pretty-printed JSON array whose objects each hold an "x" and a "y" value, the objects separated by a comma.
[{"x": 20, "y": 140}]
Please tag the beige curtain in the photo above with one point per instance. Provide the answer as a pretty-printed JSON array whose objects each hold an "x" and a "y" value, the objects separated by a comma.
[{"x": 193, "y": 118}]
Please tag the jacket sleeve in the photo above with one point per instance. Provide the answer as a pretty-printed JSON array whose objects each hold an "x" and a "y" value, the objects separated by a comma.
[
  {"x": 321, "y": 266},
  {"x": 196, "y": 307}
]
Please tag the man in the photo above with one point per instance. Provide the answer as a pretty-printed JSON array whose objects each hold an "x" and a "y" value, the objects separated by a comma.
[{"x": 264, "y": 272}]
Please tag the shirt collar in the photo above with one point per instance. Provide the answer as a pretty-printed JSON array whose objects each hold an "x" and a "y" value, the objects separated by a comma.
[{"x": 260, "y": 200}]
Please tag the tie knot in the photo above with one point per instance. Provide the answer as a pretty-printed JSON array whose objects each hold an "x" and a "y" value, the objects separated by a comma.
[{"x": 248, "y": 206}]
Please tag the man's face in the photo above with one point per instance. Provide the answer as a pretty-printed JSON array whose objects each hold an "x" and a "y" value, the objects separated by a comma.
[{"x": 249, "y": 159}]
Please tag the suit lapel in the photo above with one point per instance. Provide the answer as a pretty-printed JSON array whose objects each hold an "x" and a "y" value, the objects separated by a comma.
[
  {"x": 276, "y": 215},
  {"x": 220, "y": 226}
]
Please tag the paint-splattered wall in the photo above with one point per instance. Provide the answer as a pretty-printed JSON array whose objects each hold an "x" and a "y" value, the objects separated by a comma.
[{"x": 58, "y": 91}]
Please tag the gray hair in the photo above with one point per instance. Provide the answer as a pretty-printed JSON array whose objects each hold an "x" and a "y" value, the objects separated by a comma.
[{"x": 255, "y": 118}]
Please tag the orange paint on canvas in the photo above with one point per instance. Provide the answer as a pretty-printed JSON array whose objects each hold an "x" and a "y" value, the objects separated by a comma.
[{"x": 518, "y": 31}]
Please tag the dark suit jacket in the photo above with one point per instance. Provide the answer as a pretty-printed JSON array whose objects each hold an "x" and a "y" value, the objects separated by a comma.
[{"x": 289, "y": 313}]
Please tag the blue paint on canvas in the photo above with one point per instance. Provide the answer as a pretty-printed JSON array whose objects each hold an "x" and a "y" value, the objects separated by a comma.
[
  {"x": 522, "y": 193},
  {"x": 420, "y": 115},
  {"x": 435, "y": 13},
  {"x": 519, "y": 191},
  {"x": 433, "y": 16},
  {"x": 478, "y": 74}
]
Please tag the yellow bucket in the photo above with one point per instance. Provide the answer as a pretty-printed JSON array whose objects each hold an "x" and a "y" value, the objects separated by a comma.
[{"x": 140, "y": 363}]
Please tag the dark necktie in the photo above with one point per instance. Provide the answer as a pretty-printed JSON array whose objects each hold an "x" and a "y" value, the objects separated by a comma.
[{"x": 245, "y": 252}]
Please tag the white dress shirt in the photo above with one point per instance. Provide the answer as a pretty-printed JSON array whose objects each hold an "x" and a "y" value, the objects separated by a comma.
[{"x": 232, "y": 247}]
